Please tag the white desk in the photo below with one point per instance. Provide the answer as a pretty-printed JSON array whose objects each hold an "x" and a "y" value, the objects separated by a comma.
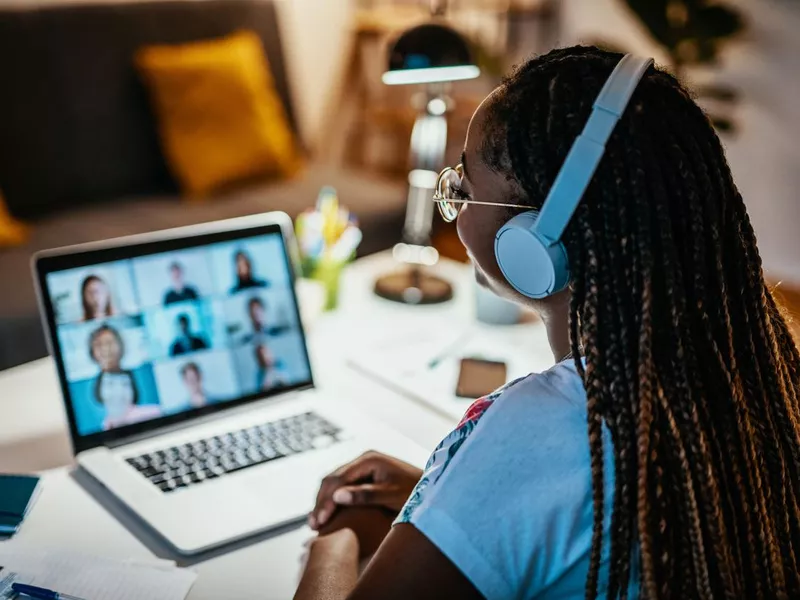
[{"x": 67, "y": 516}]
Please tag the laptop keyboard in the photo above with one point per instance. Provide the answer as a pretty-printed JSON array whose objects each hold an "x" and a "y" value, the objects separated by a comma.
[{"x": 190, "y": 464}]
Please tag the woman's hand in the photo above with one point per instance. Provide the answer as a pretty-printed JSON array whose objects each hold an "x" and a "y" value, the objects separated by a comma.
[
  {"x": 370, "y": 524},
  {"x": 373, "y": 479}
]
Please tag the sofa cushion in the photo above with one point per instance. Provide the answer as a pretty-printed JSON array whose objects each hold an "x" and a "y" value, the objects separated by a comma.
[{"x": 220, "y": 119}]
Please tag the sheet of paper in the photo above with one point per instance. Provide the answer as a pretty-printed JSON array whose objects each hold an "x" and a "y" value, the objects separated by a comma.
[
  {"x": 423, "y": 363},
  {"x": 6, "y": 579},
  {"x": 95, "y": 578}
]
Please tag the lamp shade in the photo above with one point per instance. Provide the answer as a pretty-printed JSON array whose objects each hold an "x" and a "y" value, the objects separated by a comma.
[{"x": 429, "y": 53}]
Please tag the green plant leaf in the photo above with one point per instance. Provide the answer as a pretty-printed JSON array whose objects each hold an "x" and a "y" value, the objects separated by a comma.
[
  {"x": 691, "y": 31},
  {"x": 718, "y": 21},
  {"x": 722, "y": 124},
  {"x": 653, "y": 15}
]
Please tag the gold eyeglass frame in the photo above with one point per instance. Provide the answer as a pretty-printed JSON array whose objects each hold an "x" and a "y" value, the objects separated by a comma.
[{"x": 442, "y": 202}]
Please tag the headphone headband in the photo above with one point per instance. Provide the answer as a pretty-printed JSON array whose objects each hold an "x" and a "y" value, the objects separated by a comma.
[
  {"x": 578, "y": 169},
  {"x": 528, "y": 248}
]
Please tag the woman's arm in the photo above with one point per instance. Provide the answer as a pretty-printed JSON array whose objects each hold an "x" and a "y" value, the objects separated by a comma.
[
  {"x": 332, "y": 569},
  {"x": 407, "y": 565}
]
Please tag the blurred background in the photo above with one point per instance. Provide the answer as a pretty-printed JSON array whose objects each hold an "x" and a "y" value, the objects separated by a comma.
[{"x": 117, "y": 117}]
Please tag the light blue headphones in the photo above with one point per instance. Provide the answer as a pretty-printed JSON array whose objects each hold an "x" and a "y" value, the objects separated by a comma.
[{"x": 528, "y": 248}]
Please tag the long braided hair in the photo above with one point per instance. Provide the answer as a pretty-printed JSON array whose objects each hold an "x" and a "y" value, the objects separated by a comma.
[{"x": 688, "y": 360}]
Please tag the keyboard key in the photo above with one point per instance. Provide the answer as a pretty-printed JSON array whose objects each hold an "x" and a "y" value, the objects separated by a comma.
[
  {"x": 298, "y": 445},
  {"x": 192, "y": 463},
  {"x": 283, "y": 447},
  {"x": 139, "y": 463}
]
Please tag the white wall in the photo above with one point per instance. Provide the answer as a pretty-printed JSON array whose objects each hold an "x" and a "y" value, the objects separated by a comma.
[
  {"x": 317, "y": 37},
  {"x": 765, "y": 153}
]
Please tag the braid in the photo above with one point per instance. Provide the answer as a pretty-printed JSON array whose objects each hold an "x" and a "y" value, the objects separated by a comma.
[{"x": 689, "y": 367}]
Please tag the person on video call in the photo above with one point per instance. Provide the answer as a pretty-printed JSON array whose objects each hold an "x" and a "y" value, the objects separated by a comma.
[
  {"x": 180, "y": 291},
  {"x": 119, "y": 396},
  {"x": 186, "y": 341},
  {"x": 244, "y": 273},
  {"x": 106, "y": 349},
  {"x": 115, "y": 388},
  {"x": 261, "y": 330},
  {"x": 193, "y": 380},
  {"x": 96, "y": 299},
  {"x": 271, "y": 373}
]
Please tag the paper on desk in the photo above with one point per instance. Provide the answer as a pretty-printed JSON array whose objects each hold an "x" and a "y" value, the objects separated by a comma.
[
  {"x": 7, "y": 578},
  {"x": 96, "y": 578},
  {"x": 404, "y": 361}
]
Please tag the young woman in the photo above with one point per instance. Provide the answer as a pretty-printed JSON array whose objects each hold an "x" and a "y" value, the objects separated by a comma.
[
  {"x": 107, "y": 348},
  {"x": 193, "y": 380},
  {"x": 118, "y": 394},
  {"x": 270, "y": 372},
  {"x": 660, "y": 457},
  {"x": 96, "y": 299},
  {"x": 245, "y": 279},
  {"x": 115, "y": 388}
]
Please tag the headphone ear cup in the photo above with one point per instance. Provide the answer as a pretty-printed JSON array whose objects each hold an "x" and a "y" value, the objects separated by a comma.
[{"x": 533, "y": 266}]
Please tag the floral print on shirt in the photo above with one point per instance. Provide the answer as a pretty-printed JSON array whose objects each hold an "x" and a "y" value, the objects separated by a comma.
[{"x": 447, "y": 449}]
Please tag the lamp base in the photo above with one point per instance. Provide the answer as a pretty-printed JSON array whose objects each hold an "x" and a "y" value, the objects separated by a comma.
[{"x": 413, "y": 286}]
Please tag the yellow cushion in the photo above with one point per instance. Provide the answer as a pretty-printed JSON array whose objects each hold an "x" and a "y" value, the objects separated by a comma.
[
  {"x": 12, "y": 232},
  {"x": 220, "y": 117}
]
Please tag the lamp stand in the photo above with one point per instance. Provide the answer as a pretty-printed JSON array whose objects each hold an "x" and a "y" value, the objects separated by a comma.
[{"x": 412, "y": 284}]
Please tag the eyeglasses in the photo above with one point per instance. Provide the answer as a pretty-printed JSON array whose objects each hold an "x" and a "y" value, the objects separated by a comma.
[{"x": 451, "y": 199}]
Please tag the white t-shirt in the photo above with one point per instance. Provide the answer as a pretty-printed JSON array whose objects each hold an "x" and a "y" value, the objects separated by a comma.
[{"x": 507, "y": 496}]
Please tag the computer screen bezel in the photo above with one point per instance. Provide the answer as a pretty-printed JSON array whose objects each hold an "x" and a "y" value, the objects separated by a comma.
[{"x": 145, "y": 245}]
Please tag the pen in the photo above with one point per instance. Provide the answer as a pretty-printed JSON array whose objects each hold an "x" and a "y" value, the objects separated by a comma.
[
  {"x": 450, "y": 349},
  {"x": 31, "y": 591}
]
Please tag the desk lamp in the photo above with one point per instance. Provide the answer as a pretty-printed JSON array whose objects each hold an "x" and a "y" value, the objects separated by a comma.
[{"x": 433, "y": 55}]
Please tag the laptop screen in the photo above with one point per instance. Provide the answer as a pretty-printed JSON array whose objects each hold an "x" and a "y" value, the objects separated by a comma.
[{"x": 164, "y": 333}]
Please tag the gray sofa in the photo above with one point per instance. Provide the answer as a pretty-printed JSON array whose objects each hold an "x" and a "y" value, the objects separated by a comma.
[{"x": 79, "y": 152}]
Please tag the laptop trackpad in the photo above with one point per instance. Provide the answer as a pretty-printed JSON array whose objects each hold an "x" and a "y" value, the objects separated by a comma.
[{"x": 290, "y": 489}]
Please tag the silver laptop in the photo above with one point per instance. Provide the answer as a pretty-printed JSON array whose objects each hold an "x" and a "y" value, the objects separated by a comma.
[{"x": 186, "y": 379}]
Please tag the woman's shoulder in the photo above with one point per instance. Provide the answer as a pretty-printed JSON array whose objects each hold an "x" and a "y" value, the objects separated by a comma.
[
  {"x": 555, "y": 392},
  {"x": 559, "y": 388},
  {"x": 507, "y": 496},
  {"x": 507, "y": 420}
]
